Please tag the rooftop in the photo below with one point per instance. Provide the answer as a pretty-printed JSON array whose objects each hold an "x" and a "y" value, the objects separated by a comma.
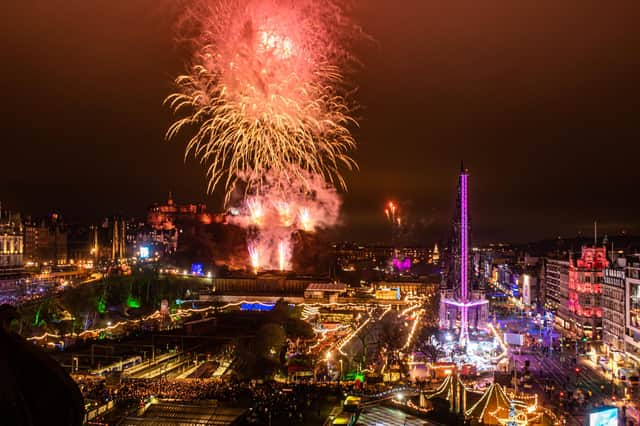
[
  {"x": 337, "y": 287},
  {"x": 172, "y": 413}
]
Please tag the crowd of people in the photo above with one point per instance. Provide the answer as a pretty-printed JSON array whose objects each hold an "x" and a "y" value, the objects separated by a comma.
[
  {"x": 292, "y": 403},
  {"x": 139, "y": 390},
  {"x": 289, "y": 402},
  {"x": 94, "y": 389},
  {"x": 21, "y": 292},
  {"x": 187, "y": 389}
]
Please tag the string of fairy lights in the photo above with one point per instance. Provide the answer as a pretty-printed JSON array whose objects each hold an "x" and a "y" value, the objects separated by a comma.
[
  {"x": 185, "y": 312},
  {"x": 413, "y": 330},
  {"x": 525, "y": 408}
]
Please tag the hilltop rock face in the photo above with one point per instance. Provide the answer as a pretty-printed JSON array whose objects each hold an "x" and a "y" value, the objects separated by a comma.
[{"x": 34, "y": 390}]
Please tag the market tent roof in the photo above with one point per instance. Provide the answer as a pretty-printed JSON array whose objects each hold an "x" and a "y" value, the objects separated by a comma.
[
  {"x": 446, "y": 389},
  {"x": 494, "y": 400}
]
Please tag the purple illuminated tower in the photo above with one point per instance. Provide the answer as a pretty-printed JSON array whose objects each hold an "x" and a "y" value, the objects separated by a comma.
[
  {"x": 459, "y": 299},
  {"x": 464, "y": 254}
]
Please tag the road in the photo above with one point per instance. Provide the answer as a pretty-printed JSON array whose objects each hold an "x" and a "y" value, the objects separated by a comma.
[
  {"x": 380, "y": 415},
  {"x": 569, "y": 375},
  {"x": 562, "y": 376}
]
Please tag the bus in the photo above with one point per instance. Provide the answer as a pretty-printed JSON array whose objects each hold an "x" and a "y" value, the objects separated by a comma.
[
  {"x": 352, "y": 404},
  {"x": 344, "y": 419}
]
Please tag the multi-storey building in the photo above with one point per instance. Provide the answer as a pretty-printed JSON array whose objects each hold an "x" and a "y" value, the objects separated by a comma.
[
  {"x": 45, "y": 241},
  {"x": 528, "y": 288},
  {"x": 582, "y": 314},
  {"x": 632, "y": 306},
  {"x": 79, "y": 244},
  {"x": 11, "y": 250},
  {"x": 613, "y": 306},
  {"x": 556, "y": 278},
  {"x": 160, "y": 241}
]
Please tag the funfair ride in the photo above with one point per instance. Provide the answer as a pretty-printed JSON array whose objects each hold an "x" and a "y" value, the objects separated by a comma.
[{"x": 459, "y": 301}]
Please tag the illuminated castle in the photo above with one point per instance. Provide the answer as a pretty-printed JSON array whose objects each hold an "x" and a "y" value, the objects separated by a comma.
[
  {"x": 165, "y": 217},
  {"x": 461, "y": 307}
]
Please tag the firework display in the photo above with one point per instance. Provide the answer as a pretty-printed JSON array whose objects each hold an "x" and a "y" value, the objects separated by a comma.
[
  {"x": 267, "y": 110},
  {"x": 265, "y": 92},
  {"x": 273, "y": 216}
]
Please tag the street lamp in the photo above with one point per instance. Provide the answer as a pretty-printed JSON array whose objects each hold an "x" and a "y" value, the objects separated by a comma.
[{"x": 327, "y": 358}]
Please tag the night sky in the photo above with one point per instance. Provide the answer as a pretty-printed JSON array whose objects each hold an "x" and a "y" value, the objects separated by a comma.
[{"x": 540, "y": 98}]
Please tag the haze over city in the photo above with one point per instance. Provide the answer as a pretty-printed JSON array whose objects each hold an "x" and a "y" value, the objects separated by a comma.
[{"x": 539, "y": 100}]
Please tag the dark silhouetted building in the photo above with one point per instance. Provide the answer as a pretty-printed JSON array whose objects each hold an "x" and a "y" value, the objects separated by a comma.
[{"x": 45, "y": 240}]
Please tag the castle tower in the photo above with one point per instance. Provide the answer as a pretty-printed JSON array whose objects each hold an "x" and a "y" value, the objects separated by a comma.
[
  {"x": 119, "y": 240},
  {"x": 123, "y": 239},
  {"x": 115, "y": 241}
]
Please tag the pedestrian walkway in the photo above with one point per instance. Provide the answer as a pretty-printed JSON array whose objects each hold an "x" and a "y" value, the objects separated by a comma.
[{"x": 385, "y": 416}]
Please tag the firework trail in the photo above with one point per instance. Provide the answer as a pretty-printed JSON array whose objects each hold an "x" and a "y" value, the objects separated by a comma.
[
  {"x": 392, "y": 213},
  {"x": 283, "y": 254},
  {"x": 254, "y": 256},
  {"x": 265, "y": 92},
  {"x": 305, "y": 220},
  {"x": 397, "y": 262},
  {"x": 256, "y": 211}
]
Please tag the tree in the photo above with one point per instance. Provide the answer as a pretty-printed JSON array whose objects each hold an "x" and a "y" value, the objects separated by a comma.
[
  {"x": 281, "y": 312},
  {"x": 428, "y": 344},
  {"x": 389, "y": 334},
  {"x": 391, "y": 340},
  {"x": 364, "y": 337},
  {"x": 246, "y": 356},
  {"x": 297, "y": 328},
  {"x": 432, "y": 307},
  {"x": 271, "y": 337}
]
